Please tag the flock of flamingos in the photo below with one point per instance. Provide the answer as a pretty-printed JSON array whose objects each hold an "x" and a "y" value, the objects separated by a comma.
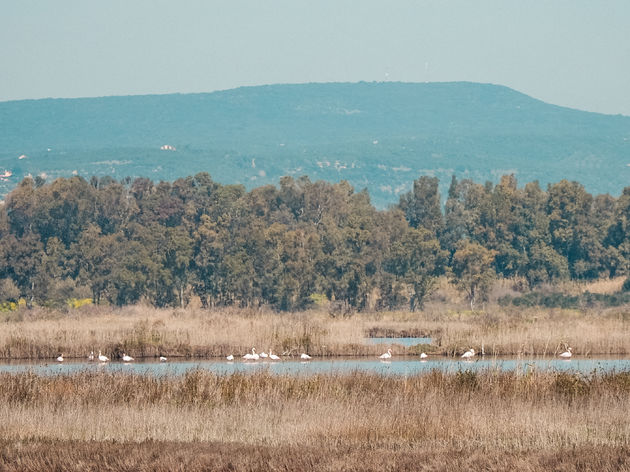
[{"x": 253, "y": 356}]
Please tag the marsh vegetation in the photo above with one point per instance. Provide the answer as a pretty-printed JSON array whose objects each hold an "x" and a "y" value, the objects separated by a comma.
[
  {"x": 142, "y": 331},
  {"x": 525, "y": 419},
  {"x": 325, "y": 422}
]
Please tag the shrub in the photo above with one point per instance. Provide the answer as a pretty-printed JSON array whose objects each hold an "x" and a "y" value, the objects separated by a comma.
[{"x": 9, "y": 291}]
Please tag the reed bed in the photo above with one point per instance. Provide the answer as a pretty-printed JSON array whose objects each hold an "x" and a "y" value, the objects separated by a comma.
[
  {"x": 147, "y": 332},
  {"x": 168, "y": 456},
  {"x": 353, "y": 421}
]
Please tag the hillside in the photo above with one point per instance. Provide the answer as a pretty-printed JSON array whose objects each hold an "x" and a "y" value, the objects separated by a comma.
[{"x": 376, "y": 135}]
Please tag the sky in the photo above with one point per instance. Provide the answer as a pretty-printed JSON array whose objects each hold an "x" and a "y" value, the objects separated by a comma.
[{"x": 574, "y": 53}]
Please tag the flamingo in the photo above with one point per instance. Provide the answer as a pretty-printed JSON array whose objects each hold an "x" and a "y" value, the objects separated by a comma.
[
  {"x": 305, "y": 356},
  {"x": 230, "y": 357},
  {"x": 91, "y": 356},
  {"x": 251, "y": 357},
  {"x": 102, "y": 358},
  {"x": 162, "y": 359},
  {"x": 566, "y": 354},
  {"x": 126, "y": 358},
  {"x": 272, "y": 356},
  {"x": 60, "y": 358},
  {"x": 423, "y": 355},
  {"x": 468, "y": 354},
  {"x": 387, "y": 355}
]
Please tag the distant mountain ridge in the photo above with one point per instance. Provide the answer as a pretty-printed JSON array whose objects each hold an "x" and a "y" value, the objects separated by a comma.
[{"x": 376, "y": 135}]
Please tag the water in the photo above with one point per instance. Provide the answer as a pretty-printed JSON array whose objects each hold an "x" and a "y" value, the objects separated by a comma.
[
  {"x": 397, "y": 366},
  {"x": 407, "y": 342}
]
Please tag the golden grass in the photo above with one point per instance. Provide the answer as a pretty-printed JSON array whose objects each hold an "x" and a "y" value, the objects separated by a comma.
[
  {"x": 533, "y": 421},
  {"x": 144, "y": 331},
  {"x": 162, "y": 456},
  {"x": 147, "y": 332},
  {"x": 512, "y": 418},
  {"x": 604, "y": 286}
]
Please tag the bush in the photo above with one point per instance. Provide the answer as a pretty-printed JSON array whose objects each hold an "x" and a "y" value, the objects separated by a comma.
[
  {"x": 9, "y": 291},
  {"x": 466, "y": 380},
  {"x": 559, "y": 300},
  {"x": 571, "y": 384}
]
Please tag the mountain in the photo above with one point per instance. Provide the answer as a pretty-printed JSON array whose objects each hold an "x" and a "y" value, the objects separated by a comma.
[{"x": 380, "y": 136}]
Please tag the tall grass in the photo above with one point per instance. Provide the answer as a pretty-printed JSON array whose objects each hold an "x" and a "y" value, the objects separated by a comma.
[
  {"x": 261, "y": 407},
  {"x": 142, "y": 331},
  {"x": 169, "y": 456},
  {"x": 497, "y": 412}
]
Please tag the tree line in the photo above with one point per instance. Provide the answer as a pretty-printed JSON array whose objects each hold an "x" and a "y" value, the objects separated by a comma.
[{"x": 290, "y": 245}]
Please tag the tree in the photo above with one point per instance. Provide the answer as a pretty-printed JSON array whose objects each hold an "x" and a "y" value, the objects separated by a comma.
[
  {"x": 472, "y": 270},
  {"x": 278, "y": 246},
  {"x": 9, "y": 291},
  {"x": 134, "y": 271},
  {"x": 416, "y": 259},
  {"x": 618, "y": 233},
  {"x": 176, "y": 249},
  {"x": 208, "y": 249},
  {"x": 461, "y": 213},
  {"x": 64, "y": 209},
  {"x": 300, "y": 251},
  {"x": 20, "y": 207},
  {"x": 573, "y": 233},
  {"x": 422, "y": 205},
  {"x": 24, "y": 260},
  {"x": 93, "y": 261}
]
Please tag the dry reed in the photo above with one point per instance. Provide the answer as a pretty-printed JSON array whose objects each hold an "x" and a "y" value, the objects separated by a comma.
[
  {"x": 491, "y": 420},
  {"x": 169, "y": 456},
  {"x": 148, "y": 332}
]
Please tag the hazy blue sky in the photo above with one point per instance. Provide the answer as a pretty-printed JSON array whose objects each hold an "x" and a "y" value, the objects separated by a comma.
[{"x": 574, "y": 53}]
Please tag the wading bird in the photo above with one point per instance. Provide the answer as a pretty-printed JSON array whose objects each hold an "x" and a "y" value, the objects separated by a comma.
[
  {"x": 272, "y": 356},
  {"x": 91, "y": 356},
  {"x": 566, "y": 354},
  {"x": 102, "y": 358},
  {"x": 305, "y": 356},
  {"x": 126, "y": 358},
  {"x": 162, "y": 359},
  {"x": 263, "y": 355},
  {"x": 423, "y": 355},
  {"x": 230, "y": 357},
  {"x": 387, "y": 355},
  {"x": 468, "y": 354},
  {"x": 60, "y": 358},
  {"x": 251, "y": 357}
]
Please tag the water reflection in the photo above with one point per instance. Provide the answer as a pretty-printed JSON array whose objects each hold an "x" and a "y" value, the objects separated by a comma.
[
  {"x": 407, "y": 342},
  {"x": 394, "y": 366}
]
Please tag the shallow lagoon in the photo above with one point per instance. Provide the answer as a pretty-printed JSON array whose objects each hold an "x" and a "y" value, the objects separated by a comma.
[{"x": 407, "y": 365}]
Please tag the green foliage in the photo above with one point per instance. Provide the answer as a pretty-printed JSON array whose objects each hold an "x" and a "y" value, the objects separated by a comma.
[
  {"x": 422, "y": 205},
  {"x": 300, "y": 244},
  {"x": 472, "y": 270},
  {"x": 9, "y": 292},
  {"x": 8, "y": 306},
  {"x": 416, "y": 258},
  {"x": 560, "y": 300}
]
